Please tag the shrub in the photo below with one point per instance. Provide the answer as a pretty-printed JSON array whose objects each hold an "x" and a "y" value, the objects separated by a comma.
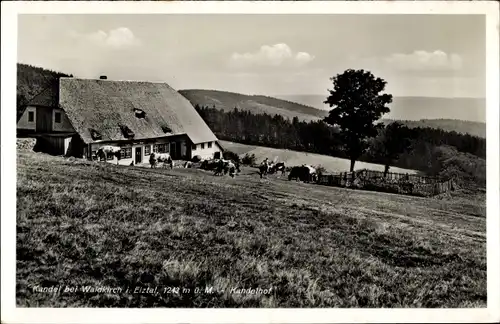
[
  {"x": 248, "y": 159},
  {"x": 228, "y": 155},
  {"x": 196, "y": 158},
  {"x": 466, "y": 169}
]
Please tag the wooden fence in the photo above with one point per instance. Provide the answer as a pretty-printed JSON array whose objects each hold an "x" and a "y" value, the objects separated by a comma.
[
  {"x": 392, "y": 176},
  {"x": 394, "y": 182}
]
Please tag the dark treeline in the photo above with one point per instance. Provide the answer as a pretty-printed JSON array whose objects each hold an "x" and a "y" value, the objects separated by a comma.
[
  {"x": 33, "y": 81},
  {"x": 318, "y": 137},
  {"x": 271, "y": 131}
]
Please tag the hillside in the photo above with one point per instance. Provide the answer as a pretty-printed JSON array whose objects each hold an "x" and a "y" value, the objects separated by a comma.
[
  {"x": 451, "y": 114},
  {"x": 308, "y": 245},
  {"x": 441, "y": 113},
  {"x": 256, "y": 104},
  {"x": 36, "y": 85},
  {"x": 330, "y": 163}
]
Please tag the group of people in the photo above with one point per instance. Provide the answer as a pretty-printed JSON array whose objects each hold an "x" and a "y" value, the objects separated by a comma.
[
  {"x": 220, "y": 166},
  {"x": 269, "y": 167}
]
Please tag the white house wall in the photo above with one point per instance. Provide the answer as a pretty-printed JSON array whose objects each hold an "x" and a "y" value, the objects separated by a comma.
[
  {"x": 64, "y": 125},
  {"x": 145, "y": 158},
  {"x": 206, "y": 152},
  {"x": 24, "y": 122},
  {"x": 125, "y": 161}
]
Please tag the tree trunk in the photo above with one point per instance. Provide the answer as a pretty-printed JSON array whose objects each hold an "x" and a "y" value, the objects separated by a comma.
[
  {"x": 386, "y": 170},
  {"x": 352, "y": 165}
]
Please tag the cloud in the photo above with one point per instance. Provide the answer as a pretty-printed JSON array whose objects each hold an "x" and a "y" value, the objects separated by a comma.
[
  {"x": 425, "y": 61},
  {"x": 118, "y": 38},
  {"x": 271, "y": 56}
]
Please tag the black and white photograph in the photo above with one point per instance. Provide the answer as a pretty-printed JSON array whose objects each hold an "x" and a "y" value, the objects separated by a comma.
[{"x": 191, "y": 156}]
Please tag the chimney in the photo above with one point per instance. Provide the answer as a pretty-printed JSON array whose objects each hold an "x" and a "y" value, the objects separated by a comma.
[{"x": 103, "y": 77}]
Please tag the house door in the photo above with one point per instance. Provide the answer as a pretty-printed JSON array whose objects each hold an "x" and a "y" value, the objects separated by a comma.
[
  {"x": 173, "y": 150},
  {"x": 138, "y": 155},
  {"x": 43, "y": 119}
]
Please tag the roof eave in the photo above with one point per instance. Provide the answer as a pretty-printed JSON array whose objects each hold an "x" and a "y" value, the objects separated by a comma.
[{"x": 135, "y": 139}]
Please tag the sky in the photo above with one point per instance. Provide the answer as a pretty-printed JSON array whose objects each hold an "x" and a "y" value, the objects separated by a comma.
[{"x": 418, "y": 55}]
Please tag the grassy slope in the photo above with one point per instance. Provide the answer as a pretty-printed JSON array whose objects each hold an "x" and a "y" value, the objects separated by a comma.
[
  {"x": 331, "y": 164},
  {"x": 316, "y": 246},
  {"x": 256, "y": 104}
]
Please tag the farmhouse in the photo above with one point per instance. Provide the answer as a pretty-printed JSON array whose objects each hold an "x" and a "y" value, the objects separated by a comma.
[{"x": 80, "y": 115}]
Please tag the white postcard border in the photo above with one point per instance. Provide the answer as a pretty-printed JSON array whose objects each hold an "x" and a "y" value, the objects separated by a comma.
[{"x": 11, "y": 314}]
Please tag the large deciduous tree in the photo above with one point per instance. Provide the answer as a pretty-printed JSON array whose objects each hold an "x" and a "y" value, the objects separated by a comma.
[
  {"x": 393, "y": 140},
  {"x": 357, "y": 102}
]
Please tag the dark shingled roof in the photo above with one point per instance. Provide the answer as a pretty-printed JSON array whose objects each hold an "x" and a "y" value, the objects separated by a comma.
[{"x": 104, "y": 106}]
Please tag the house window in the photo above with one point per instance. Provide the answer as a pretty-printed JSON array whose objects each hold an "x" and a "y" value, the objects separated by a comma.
[
  {"x": 147, "y": 150},
  {"x": 202, "y": 145},
  {"x": 161, "y": 148},
  {"x": 126, "y": 153},
  {"x": 58, "y": 117},
  {"x": 209, "y": 144},
  {"x": 193, "y": 147},
  {"x": 31, "y": 116}
]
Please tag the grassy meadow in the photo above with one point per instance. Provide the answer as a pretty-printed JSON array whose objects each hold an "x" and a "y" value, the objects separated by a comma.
[{"x": 83, "y": 223}]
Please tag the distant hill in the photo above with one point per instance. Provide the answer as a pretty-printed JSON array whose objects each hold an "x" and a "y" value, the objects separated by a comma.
[
  {"x": 459, "y": 126},
  {"x": 415, "y": 108},
  {"x": 432, "y": 113},
  {"x": 254, "y": 103},
  {"x": 451, "y": 114}
]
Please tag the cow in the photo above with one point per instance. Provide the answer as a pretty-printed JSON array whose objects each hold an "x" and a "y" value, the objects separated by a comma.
[
  {"x": 106, "y": 150},
  {"x": 209, "y": 164},
  {"x": 298, "y": 173},
  {"x": 224, "y": 167},
  {"x": 161, "y": 157},
  {"x": 303, "y": 173},
  {"x": 313, "y": 174},
  {"x": 221, "y": 167},
  {"x": 280, "y": 166}
]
